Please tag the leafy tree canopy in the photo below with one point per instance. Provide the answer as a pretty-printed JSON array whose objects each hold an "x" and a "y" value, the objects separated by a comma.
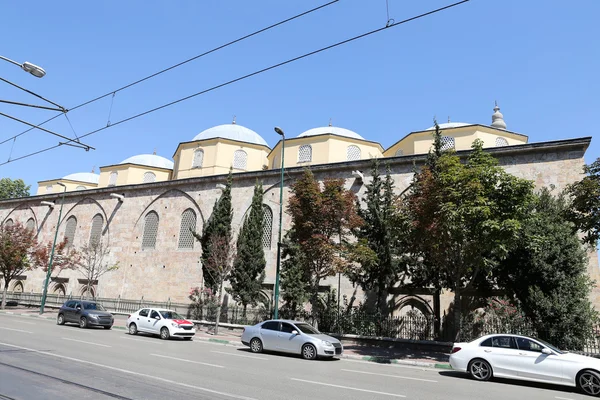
[
  {"x": 11, "y": 189},
  {"x": 585, "y": 207}
]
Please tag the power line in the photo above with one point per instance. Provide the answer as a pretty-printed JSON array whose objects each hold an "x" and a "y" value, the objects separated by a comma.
[{"x": 291, "y": 60}]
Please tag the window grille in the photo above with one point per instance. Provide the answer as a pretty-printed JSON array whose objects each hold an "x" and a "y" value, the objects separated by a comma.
[
  {"x": 267, "y": 226},
  {"x": 447, "y": 143},
  {"x": 188, "y": 224},
  {"x": 240, "y": 159},
  {"x": 399, "y": 152},
  {"x": 353, "y": 153},
  {"x": 198, "y": 158},
  {"x": 49, "y": 189},
  {"x": 30, "y": 225},
  {"x": 70, "y": 230},
  {"x": 150, "y": 230},
  {"x": 112, "y": 180},
  {"x": 149, "y": 177},
  {"x": 96, "y": 232},
  {"x": 500, "y": 141},
  {"x": 80, "y": 188},
  {"x": 305, "y": 153}
]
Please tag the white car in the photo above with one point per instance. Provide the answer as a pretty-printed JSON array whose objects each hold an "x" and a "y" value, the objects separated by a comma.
[
  {"x": 157, "y": 321},
  {"x": 525, "y": 358}
]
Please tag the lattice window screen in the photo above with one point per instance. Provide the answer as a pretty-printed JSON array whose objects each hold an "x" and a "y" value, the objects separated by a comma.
[
  {"x": 49, "y": 189},
  {"x": 150, "y": 230},
  {"x": 9, "y": 222},
  {"x": 70, "y": 230},
  {"x": 240, "y": 159},
  {"x": 399, "y": 152},
  {"x": 112, "y": 180},
  {"x": 96, "y": 232},
  {"x": 305, "y": 153},
  {"x": 80, "y": 188},
  {"x": 353, "y": 153},
  {"x": 447, "y": 143},
  {"x": 30, "y": 225},
  {"x": 198, "y": 158},
  {"x": 188, "y": 223},
  {"x": 500, "y": 141},
  {"x": 149, "y": 177},
  {"x": 267, "y": 226}
]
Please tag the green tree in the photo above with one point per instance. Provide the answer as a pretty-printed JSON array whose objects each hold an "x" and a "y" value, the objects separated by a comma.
[
  {"x": 248, "y": 271},
  {"x": 585, "y": 206},
  {"x": 11, "y": 189},
  {"x": 219, "y": 224},
  {"x": 547, "y": 273},
  {"x": 294, "y": 278}
]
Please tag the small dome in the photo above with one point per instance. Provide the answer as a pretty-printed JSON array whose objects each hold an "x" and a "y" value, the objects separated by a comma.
[
  {"x": 233, "y": 132},
  {"x": 88, "y": 177},
  {"x": 151, "y": 160},
  {"x": 498, "y": 119},
  {"x": 334, "y": 130},
  {"x": 448, "y": 125}
]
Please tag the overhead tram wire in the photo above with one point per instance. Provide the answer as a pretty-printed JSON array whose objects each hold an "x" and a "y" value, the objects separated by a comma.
[
  {"x": 291, "y": 60},
  {"x": 113, "y": 92}
]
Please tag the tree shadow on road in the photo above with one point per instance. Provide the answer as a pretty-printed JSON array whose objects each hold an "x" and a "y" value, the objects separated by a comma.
[{"x": 285, "y": 355}]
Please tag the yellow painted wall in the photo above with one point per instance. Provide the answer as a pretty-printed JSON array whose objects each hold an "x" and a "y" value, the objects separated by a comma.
[
  {"x": 106, "y": 171},
  {"x": 131, "y": 174},
  {"x": 338, "y": 149},
  {"x": 71, "y": 186}
]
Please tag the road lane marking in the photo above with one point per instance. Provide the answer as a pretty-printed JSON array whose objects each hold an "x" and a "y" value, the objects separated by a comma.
[
  {"x": 562, "y": 398},
  {"x": 20, "y": 317},
  {"x": 391, "y": 376},
  {"x": 348, "y": 387},
  {"x": 149, "y": 340},
  {"x": 83, "y": 341},
  {"x": 429, "y": 369},
  {"x": 239, "y": 355},
  {"x": 189, "y": 361},
  {"x": 16, "y": 330},
  {"x": 125, "y": 371}
]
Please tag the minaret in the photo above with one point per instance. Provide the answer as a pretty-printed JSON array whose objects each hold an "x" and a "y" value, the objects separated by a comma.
[{"x": 498, "y": 118}]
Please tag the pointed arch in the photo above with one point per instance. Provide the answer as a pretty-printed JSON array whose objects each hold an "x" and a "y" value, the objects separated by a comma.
[
  {"x": 267, "y": 237},
  {"x": 70, "y": 230},
  {"x": 96, "y": 230},
  {"x": 150, "y": 231},
  {"x": 188, "y": 224},
  {"x": 353, "y": 153}
]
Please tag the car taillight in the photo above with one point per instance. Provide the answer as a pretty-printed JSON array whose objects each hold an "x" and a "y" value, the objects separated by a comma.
[{"x": 455, "y": 350}]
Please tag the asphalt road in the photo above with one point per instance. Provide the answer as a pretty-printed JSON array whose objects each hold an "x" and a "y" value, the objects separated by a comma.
[{"x": 41, "y": 360}]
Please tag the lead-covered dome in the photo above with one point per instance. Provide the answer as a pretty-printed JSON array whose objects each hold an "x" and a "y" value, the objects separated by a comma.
[
  {"x": 334, "y": 130},
  {"x": 151, "y": 160},
  {"x": 232, "y": 132},
  {"x": 88, "y": 177}
]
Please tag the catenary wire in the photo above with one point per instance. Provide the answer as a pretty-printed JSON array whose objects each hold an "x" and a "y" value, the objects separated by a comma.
[{"x": 248, "y": 76}]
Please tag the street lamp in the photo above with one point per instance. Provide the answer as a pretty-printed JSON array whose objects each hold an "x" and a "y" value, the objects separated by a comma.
[
  {"x": 49, "y": 272},
  {"x": 33, "y": 69},
  {"x": 276, "y": 295}
]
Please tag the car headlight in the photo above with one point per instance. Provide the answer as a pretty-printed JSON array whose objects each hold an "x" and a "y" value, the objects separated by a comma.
[
  {"x": 326, "y": 343},
  {"x": 174, "y": 325},
  {"x": 94, "y": 316}
]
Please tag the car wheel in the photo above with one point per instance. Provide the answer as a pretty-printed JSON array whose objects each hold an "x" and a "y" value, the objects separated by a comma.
[
  {"x": 83, "y": 323},
  {"x": 164, "y": 333},
  {"x": 256, "y": 345},
  {"x": 589, "y": 382},
  {"x": 309, "y": 352},
  {"x": 108, "y": 327},
  {"x": 480, "y": 370},
  {"x": 133, "y": 329},
  {"x": 60, "y": 320}
]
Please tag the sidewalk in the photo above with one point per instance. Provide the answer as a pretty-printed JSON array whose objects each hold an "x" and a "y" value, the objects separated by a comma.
[{"x": 226, "y": 337}]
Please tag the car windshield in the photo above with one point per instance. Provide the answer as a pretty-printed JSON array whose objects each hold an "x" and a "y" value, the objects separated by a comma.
[
  {"x": 93, "y": 306},
  {"x": 548, "y": 345},
  {"x": 308, "y": 329},
  {"x": 170, "y": 315}
]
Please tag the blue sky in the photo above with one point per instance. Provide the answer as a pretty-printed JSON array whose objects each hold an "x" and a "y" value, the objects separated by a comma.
[{"x": 539, "y": 60}]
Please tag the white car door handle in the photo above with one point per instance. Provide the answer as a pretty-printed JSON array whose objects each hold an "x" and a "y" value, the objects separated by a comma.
[
  {"x": 522, "y": 354},
  {"x": 488, "y": 351}
]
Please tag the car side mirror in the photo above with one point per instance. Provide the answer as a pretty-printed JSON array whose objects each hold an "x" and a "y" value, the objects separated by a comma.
[
  {"x": 546, "y": 350},
  {"x": 294, "y": 332},
  {"x": 157, "y": 317},
  {"x": 78, "y": 308}
]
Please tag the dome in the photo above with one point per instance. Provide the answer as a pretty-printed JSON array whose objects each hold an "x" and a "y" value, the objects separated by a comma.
[
  {"x": 334, "y": 130},
  {"x": 88, "y": 177},
  {"x": 233, "y": 132},
  {"x": 448, "y": 125},
  {"x": 151, "y": 160}
]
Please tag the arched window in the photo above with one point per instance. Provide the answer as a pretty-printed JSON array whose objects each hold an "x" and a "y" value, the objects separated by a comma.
[
  {"x": 399, "y": 152},
  {"x": 80, "y": 188},
  {"x": 267, "y": 226},
  {"x": 240, "y": 159},
  {"x": 188, "y": 224},
  {"x": 149, "y": 177},
  {"x": 59, "y": 289},
  {"x": 9, "y": 222},
  {"x": 150, "y": 230},
  {"x": 447, "y": 143},
  {"x": 70, "y": 230},
  {"x": 353, "y": 153},
  {"x": 305, "y": 153},
  {"x": 30, "y": 225},
  {"x": 49, "y": 189},
  {"x": 96, "y": 231},
  {"x": 18, "y": 287},
  {"x": 500, "y": 141},
  {"x": 112, "y": 179},
  {"x": 198, "y": 158}
]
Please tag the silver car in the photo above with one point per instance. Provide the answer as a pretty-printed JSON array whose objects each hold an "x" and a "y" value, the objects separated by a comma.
[{"x": 291, "y": 337}]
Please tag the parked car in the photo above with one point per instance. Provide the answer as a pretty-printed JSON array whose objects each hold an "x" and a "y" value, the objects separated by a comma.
[
  {"x": 525, "y": 358},
  {"x": 85, "y": 313},
  {"x": 156, "y": 321},
  {"x": 291, "y": 337}
]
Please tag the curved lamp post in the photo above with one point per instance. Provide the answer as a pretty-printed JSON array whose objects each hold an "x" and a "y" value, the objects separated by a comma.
[
  {"x": 276, "y": 294},
  {"x": 33, "y": 69}
]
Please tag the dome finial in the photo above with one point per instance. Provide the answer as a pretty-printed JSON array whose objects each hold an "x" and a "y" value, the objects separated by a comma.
[
  {"x": 154, "y": 152},
  {"x": 94, "y": 169},
  {"x": 330, "y": 122},
  {"x": 233, "y": 122},
  {"x": 448, "y": 119},
  {"x": 498, "y": 118}
]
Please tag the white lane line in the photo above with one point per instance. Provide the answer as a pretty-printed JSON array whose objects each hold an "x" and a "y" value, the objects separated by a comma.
[
  {"x": 189, "y": 361},
  {"x": 429, "y": 369},
  {"x": 348, "y": 388},
  {"x": 239, "y": 355},
  {"x": 390, "y": 376},
  {"x": 16, "y": 330},
  {"x": 562, "y": 398},
  {"x": 125, "y": 371},
  {"x": 83, "y": 341},
  {"x": 149, "y": 340}
]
